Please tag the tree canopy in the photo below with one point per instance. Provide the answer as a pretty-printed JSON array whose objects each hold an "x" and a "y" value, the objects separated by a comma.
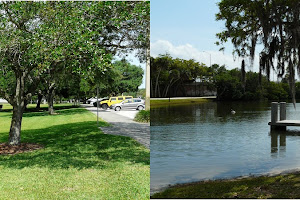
[
  {"x": 167, "y": 72},
  {"x": 272, "y": 23},
  {"x": 40, "y": 40}
]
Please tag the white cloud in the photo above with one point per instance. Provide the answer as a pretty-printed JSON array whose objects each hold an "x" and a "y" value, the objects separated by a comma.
[{"x": 187, "y": 51}]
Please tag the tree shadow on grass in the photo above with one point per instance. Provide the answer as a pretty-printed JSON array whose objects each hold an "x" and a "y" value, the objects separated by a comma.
[
  {"x": 76, "y": 145},
  {"x": 43, "y": 109},
  {"x": 69, "y": 111}
]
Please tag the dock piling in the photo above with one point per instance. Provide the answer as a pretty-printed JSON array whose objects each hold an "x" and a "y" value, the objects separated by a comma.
[
  {"x": 282, "y": 111},
  {"x": 274, "y": 112},
  {"x": 275, "y": 123}
]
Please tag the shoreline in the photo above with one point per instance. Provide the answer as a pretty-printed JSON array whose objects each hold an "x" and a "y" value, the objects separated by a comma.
[
  {"x": 157, "y": 102},
  {"x": 277, "y": 179}
]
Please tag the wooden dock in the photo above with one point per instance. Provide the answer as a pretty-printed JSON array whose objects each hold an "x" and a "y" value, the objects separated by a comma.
[
  {"x": 282, "y": 122},
  {"x": 286, "y": 123}
]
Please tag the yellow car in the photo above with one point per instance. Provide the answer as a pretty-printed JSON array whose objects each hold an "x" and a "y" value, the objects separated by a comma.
[{"x": 113, "y": 100}]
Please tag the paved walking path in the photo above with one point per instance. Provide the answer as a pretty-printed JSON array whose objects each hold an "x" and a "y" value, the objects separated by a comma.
[{"x": 123, "y": 125}]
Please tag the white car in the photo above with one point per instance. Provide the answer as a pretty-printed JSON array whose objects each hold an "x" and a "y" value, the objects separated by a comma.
[
  {"x": 91, "y": 100},
  {"x": 135, "y": 103}
]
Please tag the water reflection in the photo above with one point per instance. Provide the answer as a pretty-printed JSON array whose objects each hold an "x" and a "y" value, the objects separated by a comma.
[
  {"x": 275, "y": 135},
  {"x": 212, "y": 112},
  {"x": 205, "y": 141},
  {"x": 280, "y": 136}
]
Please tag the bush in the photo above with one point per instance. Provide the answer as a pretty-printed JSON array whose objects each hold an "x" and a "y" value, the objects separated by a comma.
[{"x": 143, "y": 116}]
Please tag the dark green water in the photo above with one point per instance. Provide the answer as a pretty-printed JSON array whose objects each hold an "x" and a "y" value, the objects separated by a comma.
[{"x": 205, "y": 141}]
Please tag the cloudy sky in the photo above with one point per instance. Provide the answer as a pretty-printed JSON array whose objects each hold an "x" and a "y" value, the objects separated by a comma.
[{"x": 187, "y": 29}]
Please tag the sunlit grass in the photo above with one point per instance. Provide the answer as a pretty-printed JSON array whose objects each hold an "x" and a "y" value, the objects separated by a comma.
[
  {"x": 276, "y": 187},
  {"x": 78, "y": 161}
]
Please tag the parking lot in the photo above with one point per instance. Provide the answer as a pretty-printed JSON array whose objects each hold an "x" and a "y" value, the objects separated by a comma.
[
  {"x": 123, "y": 124},
  {"x": 130, "y": 113}
]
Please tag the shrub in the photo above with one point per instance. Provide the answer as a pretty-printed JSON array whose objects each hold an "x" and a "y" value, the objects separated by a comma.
[{"x": 143, "y": 116}]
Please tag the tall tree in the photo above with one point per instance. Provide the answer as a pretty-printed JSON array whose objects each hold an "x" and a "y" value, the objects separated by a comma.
[
  {"x": 274, "y": 23},
  {"x": 38, "y": 37},
  {"x": 129, "y": 77},
  {"x": 170, "y": 74}
]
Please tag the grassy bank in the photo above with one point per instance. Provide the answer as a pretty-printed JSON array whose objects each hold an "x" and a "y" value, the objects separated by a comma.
[
  {"x": 280, "y": 186},
  {"x": 78, "y": 161},
  {"x": 174, "y": 101}
]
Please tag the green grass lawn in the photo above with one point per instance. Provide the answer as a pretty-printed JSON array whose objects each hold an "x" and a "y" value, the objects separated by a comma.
[
  {"x": 264, "y": 187},
  {"x": 78, "y": 161},
  {"x": 174, "y": 102}
]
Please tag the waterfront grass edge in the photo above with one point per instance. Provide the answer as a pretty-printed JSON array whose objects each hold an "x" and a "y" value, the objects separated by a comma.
[
  {"x": 284, "y": 185},
  {"x": 157, "y": 102}
]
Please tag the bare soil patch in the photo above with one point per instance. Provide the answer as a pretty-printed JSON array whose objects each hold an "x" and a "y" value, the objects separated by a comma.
[{"x": 7, "y": 149}]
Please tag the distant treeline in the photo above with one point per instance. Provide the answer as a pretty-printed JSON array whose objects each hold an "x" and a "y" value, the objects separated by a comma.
[
  {"x": 168, "y": 74},
  {"x": 171, "y": 74}
]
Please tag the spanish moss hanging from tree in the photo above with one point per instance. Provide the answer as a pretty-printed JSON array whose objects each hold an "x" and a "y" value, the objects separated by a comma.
[{"x": 271, "y": 23}]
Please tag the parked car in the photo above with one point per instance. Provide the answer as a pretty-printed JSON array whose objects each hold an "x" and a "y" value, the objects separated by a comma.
[
  {"x": 99, "y": 100},
  {"x": 135, "y": 103},
  {"x": 113, "y": 100},
  {"x": 91, "y": 100}
]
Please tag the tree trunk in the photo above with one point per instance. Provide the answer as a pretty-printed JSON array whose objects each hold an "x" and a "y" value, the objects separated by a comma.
[
  {"x": 40, "y": 97},
  {"x": 50, "y": 99},
  {"x": 18, "y": 109},
  {"x": 156, "y": 85},
  {"x": 15, "y": 127}
]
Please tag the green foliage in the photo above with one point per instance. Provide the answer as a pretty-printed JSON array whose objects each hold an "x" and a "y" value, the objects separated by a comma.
[
  {"x": 270, "y": 23},
  {"x": 40, "y": 39},
  {"x": 123, "y": 77},
  {"x": 168, "y": 74},
  {"x": 128, "y": 77},
  {"x": 143, "y": 116},
  {"x": 140, "y": 93},
  {"x": 51, "y": 42},
  {"x": 230, "y": 86},
  {"x": 276, "y": 91}
]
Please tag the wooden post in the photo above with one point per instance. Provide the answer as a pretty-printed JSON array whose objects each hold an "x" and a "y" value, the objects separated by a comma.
[
  {"x": 147, "y": 103},
  {"x": 274, "y": 112},
  {"x": 274, "y": 141},
  {"x": 274, "y": 115},
  {"x": 97, "y": 106},
  {"x": 282, "y": 111}
]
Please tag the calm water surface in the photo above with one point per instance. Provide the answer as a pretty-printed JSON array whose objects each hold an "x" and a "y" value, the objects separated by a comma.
[{"x": 205, "y": 141}]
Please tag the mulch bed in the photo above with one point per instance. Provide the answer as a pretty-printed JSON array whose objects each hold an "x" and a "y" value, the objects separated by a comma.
[{"x": 6, "y": 149}]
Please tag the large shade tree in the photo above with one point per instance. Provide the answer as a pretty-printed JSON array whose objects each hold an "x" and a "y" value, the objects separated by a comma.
[
  {"x": 38, "y": 37},
  {"x": 273, "y": 23}
]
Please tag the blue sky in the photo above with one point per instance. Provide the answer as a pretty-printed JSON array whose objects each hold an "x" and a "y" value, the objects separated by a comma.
[
  {"x": 186, "y": 28},
  {"x": 188, "y": 21}
]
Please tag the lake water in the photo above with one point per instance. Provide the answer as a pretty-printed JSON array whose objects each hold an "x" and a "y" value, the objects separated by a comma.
[{"x": 205, "y": 141}]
